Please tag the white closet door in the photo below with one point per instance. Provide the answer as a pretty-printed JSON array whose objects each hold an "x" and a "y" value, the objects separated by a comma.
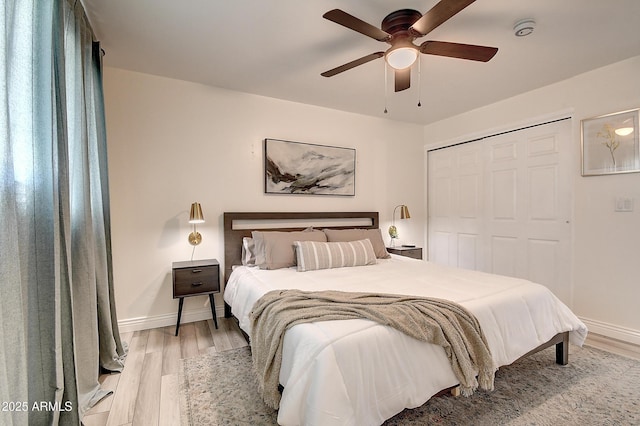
[
  {"x": 455, "y": 203},
  {"x": 503, "y": 205}
]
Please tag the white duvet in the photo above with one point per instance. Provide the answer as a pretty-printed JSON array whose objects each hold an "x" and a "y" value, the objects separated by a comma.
[{"x": 357, "y": 372}]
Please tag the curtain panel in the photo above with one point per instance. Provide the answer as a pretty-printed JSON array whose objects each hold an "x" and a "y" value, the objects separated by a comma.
[{"x": 57, "y": 311}]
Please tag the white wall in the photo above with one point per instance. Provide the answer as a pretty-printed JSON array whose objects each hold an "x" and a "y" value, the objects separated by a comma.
[
  {"x": 173, "y": 142},
  {"x": 606, "y": 247}
]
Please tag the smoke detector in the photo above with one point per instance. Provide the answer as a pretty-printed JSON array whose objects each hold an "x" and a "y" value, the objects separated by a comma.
[{"x": 524, "y": 27}]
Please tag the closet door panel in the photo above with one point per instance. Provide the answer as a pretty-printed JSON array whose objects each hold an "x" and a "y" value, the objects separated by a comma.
[{"x": 504, "y": 204}]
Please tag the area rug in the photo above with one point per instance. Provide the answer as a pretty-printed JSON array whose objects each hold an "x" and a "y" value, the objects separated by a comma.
[{"x": 596, "y": 388}]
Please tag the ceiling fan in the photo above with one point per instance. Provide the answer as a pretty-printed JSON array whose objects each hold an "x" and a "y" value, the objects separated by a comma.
[{"x": 400, "y": 29}]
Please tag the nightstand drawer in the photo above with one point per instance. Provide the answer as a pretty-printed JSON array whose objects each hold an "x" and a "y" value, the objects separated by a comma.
[{"x": 195, "y": 280}]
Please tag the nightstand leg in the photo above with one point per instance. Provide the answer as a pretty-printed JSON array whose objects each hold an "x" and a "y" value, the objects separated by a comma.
[
  {"x": 213, "y": 310},
  {"x": 179, "y": 314}
]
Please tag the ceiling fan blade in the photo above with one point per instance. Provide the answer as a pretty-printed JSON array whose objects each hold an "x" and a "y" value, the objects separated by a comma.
[
  {"x": 343, "y": 18},
  {"x": 458, "y": 50},
  {"x": 352, "y": 64},
  {"x": 438, "y": 14},
  {"x": 403, "y": 79}
]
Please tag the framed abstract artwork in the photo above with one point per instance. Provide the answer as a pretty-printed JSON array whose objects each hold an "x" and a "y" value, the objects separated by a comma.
[
  {"x": 610, "y": 144},
  {"x": 303, "y": 168}
]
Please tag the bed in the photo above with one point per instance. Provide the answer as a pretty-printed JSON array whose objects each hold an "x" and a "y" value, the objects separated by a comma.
[{"x": 358, "y": 372}]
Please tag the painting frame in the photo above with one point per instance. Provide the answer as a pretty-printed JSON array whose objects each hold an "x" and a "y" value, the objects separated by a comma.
[
  {"x": 610, "y": 143},
  {"x": 301, "y": 168}
]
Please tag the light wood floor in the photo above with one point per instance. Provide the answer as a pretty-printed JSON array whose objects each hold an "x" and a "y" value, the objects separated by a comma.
[{"x": 147, "y": 391}]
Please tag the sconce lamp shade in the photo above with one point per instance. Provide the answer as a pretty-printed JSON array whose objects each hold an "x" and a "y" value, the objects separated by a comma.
[
  {"x": 196, "y": 215},
  {"x": 404, "y": 212}
]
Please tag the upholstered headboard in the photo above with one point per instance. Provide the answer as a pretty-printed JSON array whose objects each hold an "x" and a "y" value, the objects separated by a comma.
[{"x": 240, "y": 224}]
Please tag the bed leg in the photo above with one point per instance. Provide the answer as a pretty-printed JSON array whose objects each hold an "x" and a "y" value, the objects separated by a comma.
[
  {"x": 455, "y": 391},
  {"x": 562, "y": 350},
  {"x": 227, "y": 310}
]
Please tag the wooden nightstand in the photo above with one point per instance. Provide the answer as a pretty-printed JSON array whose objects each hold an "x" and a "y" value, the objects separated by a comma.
[
  {"x": 196, "y": 278},
  {"x": 414, "y": 252}
]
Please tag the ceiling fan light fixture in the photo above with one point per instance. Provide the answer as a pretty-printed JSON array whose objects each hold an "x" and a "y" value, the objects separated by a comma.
[
  {"x": 401, "y": 57},
  {"x": 400, "y": 29}
]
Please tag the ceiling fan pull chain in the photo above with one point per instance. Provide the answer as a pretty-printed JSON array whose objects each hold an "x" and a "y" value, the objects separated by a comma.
[
  {"x": 385, "y": 87},
  {"x": 419, "y": 81}
]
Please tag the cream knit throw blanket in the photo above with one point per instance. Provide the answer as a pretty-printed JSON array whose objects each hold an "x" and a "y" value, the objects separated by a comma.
[{"x": 431, "y": 320}]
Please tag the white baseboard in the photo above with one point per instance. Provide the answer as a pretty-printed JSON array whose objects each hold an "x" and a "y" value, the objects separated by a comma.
[
  {"x": 145, "y": 323},
  {"x": 613, "y": 331},
  {"x": 611, "y": 338}
]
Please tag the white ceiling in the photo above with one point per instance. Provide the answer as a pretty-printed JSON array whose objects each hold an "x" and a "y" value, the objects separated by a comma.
[{"x": 279, "y": 48}]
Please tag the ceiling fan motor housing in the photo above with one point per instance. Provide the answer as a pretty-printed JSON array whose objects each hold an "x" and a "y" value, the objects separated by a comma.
[{"x": 398, "y": 23}]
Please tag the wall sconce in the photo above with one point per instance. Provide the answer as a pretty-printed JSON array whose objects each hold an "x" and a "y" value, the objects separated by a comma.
[
  {"x": 404, "y": 214},
  {"x": 195, "y": 216}
]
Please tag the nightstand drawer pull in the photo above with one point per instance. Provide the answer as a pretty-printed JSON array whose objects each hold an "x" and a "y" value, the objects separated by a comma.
[
  {"x": 196, "y": 284},
  {"x": 195, "y": 271}
]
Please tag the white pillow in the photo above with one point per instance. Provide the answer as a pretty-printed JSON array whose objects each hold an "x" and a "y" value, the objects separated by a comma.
[
  {"x": 248, "y": 251},
  {"x": 313, "y": 255}
]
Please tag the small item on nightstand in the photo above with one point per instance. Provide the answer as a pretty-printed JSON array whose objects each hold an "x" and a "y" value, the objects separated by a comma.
[{"x": 409, "y": 245}]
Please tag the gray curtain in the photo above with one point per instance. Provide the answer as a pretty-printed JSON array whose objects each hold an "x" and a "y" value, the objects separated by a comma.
[{"x": 57, "y": 310}]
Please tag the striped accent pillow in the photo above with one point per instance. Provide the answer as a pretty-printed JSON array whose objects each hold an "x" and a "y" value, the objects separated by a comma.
[{"x": 313, "y": 255}]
